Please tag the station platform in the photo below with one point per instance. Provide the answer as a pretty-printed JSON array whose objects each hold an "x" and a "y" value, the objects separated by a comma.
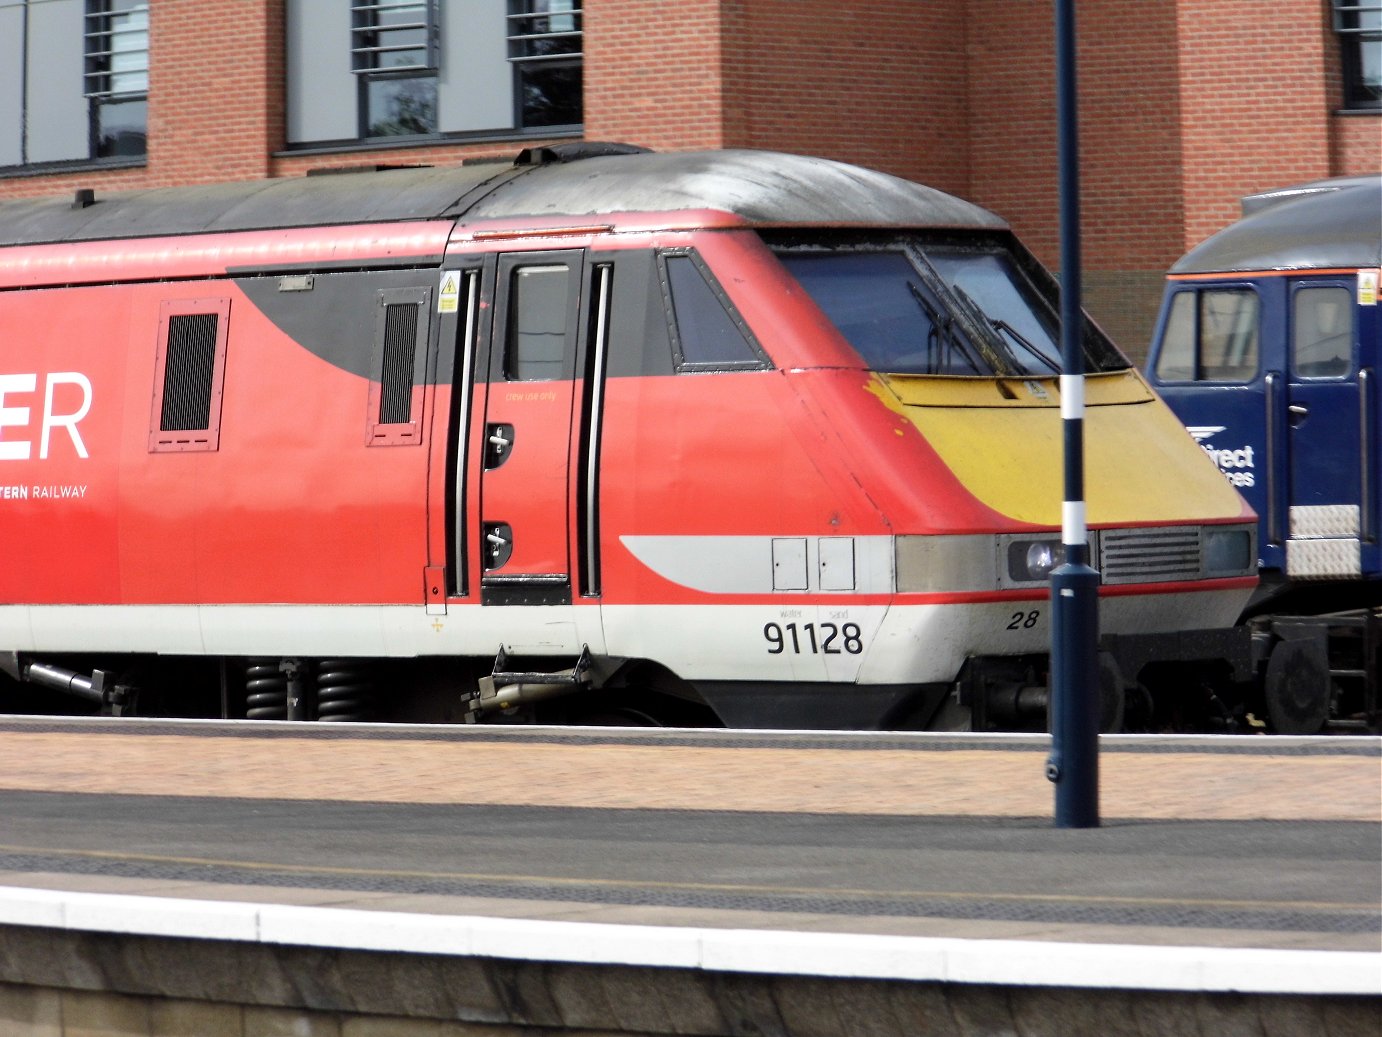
[{"x": 763, "y": 870}]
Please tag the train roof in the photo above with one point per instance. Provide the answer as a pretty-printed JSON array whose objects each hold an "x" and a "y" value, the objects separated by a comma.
[
  {"x": 1327, "y": 224},
  {"x": 761, "y": 187}
]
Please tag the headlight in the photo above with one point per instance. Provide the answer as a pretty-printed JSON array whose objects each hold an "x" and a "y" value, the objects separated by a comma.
[
  {"x": 1032, "y": 560},
  {"x": 1228, "y": 552}
]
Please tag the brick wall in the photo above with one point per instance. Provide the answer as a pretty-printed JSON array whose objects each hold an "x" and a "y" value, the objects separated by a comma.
[
  {"x": 215, "y": 111},
  {"x": 652, "y": 73},
  {"x": 1130, "y": 156},
  {"x": 1185, "y": 106},
  {"x": 1357, "y": 144},
  {"x": 1255, "y": 104},
  {"x": 873, "y": 82}
]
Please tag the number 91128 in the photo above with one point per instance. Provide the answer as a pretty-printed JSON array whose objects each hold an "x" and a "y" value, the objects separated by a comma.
[{"x": 814, "y": 638}]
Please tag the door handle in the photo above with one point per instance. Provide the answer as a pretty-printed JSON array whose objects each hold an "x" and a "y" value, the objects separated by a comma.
[
  {"x": 498, "y": 546},
  {"x": 498, "y": 445},
  {"x": 1299, "y": 408}
]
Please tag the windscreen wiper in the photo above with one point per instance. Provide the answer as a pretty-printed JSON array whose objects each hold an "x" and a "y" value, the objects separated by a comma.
[
  {"x": 991, "y": 334},
  {"x": 942, "y": 329},
  {"x": 1030, "y": 347}
]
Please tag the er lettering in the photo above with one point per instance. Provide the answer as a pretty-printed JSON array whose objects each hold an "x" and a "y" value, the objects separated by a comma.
[{"x": 16, "y": 415}]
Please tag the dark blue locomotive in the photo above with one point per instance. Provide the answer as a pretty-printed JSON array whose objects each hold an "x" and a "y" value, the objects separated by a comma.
[{"x": 1268, "y": 348}]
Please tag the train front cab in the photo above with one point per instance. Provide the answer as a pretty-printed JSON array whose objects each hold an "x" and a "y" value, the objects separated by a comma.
[
  {"x": 1274, "y": 373},
  {"x": 737, "y": 427}
]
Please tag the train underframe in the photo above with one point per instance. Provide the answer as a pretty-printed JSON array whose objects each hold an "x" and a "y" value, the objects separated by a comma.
[{"x": 1291, "y": 675}]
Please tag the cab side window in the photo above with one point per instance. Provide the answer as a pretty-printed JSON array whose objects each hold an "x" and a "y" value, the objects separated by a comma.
[
  {"x": 1211, "y": 335},
  {"x": 1322, "y": 332},
  {"x": 707, "y": 334}
]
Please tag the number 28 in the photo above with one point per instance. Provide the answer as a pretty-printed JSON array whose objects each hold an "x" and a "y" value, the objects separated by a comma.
[{"x": 1024, "y": 620}]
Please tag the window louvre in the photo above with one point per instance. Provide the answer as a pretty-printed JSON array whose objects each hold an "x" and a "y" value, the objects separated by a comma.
[
  {"x": 117, "y": 49},
  {"x": 544, "y": 30},
  {"x": 1358, "y": 15},
  {"x": 393, "y": 36},
  {"x": 545, "y": 50}
]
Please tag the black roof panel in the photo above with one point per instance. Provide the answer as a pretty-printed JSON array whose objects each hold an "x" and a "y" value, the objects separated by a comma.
[{"x": 762, "y": 187}]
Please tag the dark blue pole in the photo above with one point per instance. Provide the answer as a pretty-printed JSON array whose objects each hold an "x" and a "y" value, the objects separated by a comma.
[{"x": 1074, "y": 762}]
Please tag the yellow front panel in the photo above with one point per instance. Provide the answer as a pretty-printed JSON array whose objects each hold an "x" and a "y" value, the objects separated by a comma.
[{"x": 1003, "y": 438}]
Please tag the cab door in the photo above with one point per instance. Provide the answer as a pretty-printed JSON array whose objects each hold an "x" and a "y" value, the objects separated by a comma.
[
  {"x": 1218, "y": 362},
  {"x": 1325, "y": 434},
  {"x": 525, "y": 448}
]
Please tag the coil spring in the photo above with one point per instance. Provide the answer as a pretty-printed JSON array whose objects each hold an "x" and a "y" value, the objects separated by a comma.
[
  {"x": 266, "y": 690},
  {"x": 345, "y": 691}
]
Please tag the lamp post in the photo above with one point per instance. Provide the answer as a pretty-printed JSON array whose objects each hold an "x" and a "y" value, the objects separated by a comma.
[{"x": 1073, "y": 765}]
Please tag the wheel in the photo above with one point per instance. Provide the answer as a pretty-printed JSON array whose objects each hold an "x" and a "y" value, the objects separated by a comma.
[
  {"x": 639, "y": 707},
  {"x": 1112, "y": 695},
  {"x": 1297, "y": 686}
]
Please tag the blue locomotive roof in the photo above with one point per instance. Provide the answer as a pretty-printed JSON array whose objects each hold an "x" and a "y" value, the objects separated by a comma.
[
  {"x": 764, "y": 188},
  {"x": 1327, "y": 224}
]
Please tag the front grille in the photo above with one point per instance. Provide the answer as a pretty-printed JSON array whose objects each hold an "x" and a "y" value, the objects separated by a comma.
[{"x": 1149, "y": 555}]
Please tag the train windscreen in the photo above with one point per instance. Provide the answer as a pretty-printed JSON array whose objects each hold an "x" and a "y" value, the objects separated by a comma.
[{"x": 941, "y": 312}]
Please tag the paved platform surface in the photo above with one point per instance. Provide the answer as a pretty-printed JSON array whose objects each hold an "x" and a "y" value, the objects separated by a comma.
[{"x": 1206, "y": 842}]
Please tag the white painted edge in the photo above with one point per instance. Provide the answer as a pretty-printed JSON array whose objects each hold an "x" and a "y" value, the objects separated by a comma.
[{"x": 838, "y": 955}]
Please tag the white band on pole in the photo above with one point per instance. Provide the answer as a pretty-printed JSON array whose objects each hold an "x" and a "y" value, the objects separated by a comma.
[
  {"x": 1073, "y": 529},
  {"x": 1072, "y": 396}
]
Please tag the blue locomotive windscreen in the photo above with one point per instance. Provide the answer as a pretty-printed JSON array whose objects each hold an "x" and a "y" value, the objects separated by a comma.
[{"x": 951, "y": 313}]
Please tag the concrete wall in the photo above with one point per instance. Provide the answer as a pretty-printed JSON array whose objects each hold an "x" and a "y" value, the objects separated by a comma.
[{"x": 60, "y": 983}]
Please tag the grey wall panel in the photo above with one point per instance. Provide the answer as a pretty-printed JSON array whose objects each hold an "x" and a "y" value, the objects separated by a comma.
[
  {"x": 11, "y": 83},
  {"x": 322, "y": 101},
  {"x": 58, "y": 125},
  {"x": 475, "y": 86}
]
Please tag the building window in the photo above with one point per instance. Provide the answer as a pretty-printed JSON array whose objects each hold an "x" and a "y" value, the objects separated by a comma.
[
  {"x": 390, "y": 71},
  {"x": 545, "y": 49},
  {"x": 1359, "y": 25},
  {"x": 74, "y": 81},
  {"x": 394, "y": 54},
  {"x": 117, "y": 76}
]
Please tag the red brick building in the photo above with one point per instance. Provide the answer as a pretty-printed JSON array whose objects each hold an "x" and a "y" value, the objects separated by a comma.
[{"x": 1186, "y": 105}]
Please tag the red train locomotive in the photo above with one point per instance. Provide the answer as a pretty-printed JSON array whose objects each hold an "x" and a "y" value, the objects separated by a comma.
[{"x": 600, "y": 436}]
